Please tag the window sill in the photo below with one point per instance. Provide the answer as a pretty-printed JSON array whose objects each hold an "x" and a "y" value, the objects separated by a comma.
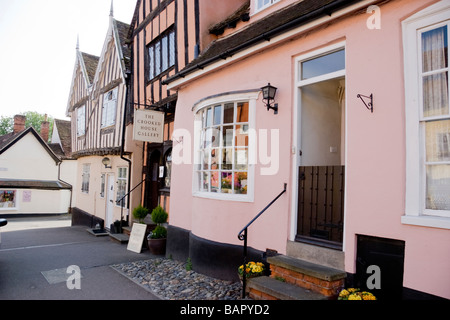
[
  {"x": 224, "y": 197},
  {"x": 427, "y": 221}
]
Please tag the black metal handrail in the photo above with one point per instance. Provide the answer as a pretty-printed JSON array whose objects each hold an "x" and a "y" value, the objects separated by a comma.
[
  {"x": 243, "y": 237},
  {"x": 121, "y": 200}
]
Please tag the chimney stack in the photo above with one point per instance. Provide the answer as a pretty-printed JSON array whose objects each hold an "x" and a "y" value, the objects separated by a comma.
[
  {"x": 19, "y": 123},
  {"x": 45, "y": 129}
]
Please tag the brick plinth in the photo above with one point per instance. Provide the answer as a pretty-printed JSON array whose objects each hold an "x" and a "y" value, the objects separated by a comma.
[{"x": 325, "y": 287}]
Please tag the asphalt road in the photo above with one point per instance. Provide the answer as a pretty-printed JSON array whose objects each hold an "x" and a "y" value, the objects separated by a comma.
[{"x": 35, "y": 255}]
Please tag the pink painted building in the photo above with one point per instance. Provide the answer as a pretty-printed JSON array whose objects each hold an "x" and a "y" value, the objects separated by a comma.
[{"x": 361, "y": 138}]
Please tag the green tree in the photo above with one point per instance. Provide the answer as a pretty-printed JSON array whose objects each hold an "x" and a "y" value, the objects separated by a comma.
[
  {"x": 34, "y": 119},
  {"x": 6, "y": 125}
]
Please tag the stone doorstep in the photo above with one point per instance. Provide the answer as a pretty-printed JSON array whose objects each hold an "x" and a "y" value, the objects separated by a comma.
[
  {"x": 266, "y": 288},
  {"x": 307, "y": 268},
  {"x": 320, "y": 279},
  {"x": 126, "y": 230},
  {"x": 120, "y": 237}
]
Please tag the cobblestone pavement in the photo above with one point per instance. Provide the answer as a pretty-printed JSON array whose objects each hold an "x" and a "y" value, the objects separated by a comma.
[{"x": 169, "y": 280}]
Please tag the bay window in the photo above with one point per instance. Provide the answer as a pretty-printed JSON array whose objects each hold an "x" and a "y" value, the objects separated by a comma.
[{"x": 223, "y": 168}]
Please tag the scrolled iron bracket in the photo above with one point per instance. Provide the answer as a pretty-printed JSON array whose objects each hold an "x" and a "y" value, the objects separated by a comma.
[{"x": 369, "y": 105}]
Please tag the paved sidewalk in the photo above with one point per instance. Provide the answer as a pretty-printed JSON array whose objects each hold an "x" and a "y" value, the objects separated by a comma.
[
  {"x": 35, "y": 252},
  {"x": 44, "y": 222}
]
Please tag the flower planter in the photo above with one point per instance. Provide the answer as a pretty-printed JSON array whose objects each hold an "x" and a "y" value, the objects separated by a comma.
[{"x": 157, "y": 246}]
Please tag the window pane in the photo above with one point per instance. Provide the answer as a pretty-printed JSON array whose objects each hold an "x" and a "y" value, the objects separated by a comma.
[
  {"x": 208, "y": 138},
  {"x": 435, "y": 49},
  {"x": 209, "y": 116},
  {"x": 242, "y": 135},
  {"x": 228, "y": 113},
  {"x": 205, "y": 181},
  {"x": 164, "y": 53},
  {"x": 227, "y": 136},
  {"x": 435, "y": 95},
  {"x": 240, "y": 182},
  {"x": 215, "y": 159},
  {"x": 215, "y": 181},
  {"x": 242, "y": 112},
  {"x": 217, "y": 115},
  {"x": 322, "y": 65},
  {"x": 151, "y": 63},
  {"x": 438, "y": 187},
  {"x": 172, "y": 49},
  {"x": 227, "y": 159},
  {"x": 226, "y": 183},
  {"x": 205, "y": 159},
  {"x": 241, "y": 159},
  {"x": 157, "y": 58},
  {"x": 215, "y": 137},
  {"x": 437, "y": 137}
]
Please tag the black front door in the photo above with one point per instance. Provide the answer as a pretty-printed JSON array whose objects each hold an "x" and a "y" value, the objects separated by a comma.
[{"x": 153, "y": 184}]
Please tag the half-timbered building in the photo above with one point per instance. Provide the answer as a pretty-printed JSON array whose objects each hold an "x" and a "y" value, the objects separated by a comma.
[
  {"x": 166, "y": 36},
  {"x": 101, "y": 141}
]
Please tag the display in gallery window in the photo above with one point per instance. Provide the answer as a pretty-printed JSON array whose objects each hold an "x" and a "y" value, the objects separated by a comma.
[{"x": 7, "y": 199}]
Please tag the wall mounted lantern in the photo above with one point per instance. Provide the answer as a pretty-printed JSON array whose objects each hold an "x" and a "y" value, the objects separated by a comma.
[
  {"x": 269, "y": 93},
  {"x": 107, "y": 163}
]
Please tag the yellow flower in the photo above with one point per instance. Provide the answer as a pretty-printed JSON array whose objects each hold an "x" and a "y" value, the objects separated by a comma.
[
  {"x": 368, "y": 296},
  {"x": 354, "y": 296},
  {"x": 344, "y": 293}
]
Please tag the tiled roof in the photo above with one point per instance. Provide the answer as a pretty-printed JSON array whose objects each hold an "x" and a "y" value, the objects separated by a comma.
[
  {"x": 65, "y": 135},
  {"x": 6, "y": 139},
  {"x": 262, "y": 30},
  {"x": 122, "y": 29},
  {"x": 34, "y": 184},
  {"x": 243, "y": 13},
  {"x": 90, "y": 63}
]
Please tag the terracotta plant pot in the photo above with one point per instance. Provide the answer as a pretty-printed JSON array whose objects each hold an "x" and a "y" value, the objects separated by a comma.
[{"x": 157, "y": 246}]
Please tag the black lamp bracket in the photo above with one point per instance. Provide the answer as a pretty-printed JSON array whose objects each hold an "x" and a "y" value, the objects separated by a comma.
[
  {"x": 274, "y": 107},
  {"x": 369, "y": 105}
]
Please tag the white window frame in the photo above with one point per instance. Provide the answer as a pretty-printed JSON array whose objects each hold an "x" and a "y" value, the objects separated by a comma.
[
  {"x": 109, "y": 109},
  {"x": 85, "y": 177},
  {"x": 81, "y": 121},
  {"x": 415, "y": 212},
  {"x": 259, "y": 8},
  {"x": 124, "y": 180},
  {"x": 102, "y": 185},
  {"x": 251, "y": 97}
]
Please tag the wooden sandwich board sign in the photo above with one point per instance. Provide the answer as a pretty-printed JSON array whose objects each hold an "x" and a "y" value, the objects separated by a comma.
[{"x": 137, "y": 237}]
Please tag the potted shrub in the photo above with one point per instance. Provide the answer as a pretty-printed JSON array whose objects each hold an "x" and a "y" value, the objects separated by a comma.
[
  {"x": 139, "y": 213},
  {"x": 158, "y": 237}
]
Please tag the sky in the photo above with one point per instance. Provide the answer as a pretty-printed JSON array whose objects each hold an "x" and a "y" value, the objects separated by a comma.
[{"x": 38, "y": 41}]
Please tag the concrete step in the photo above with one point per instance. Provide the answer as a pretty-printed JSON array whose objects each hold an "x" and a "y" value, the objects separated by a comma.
[
  {"x": 119, "y": 237},
  {"x": 314, "y": 277},
  {"x": 266, "y": 288},
  {"x": 126, "y": 230}
]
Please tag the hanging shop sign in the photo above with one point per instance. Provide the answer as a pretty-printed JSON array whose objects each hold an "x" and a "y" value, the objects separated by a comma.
[{"x": 148, "y": 126}]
